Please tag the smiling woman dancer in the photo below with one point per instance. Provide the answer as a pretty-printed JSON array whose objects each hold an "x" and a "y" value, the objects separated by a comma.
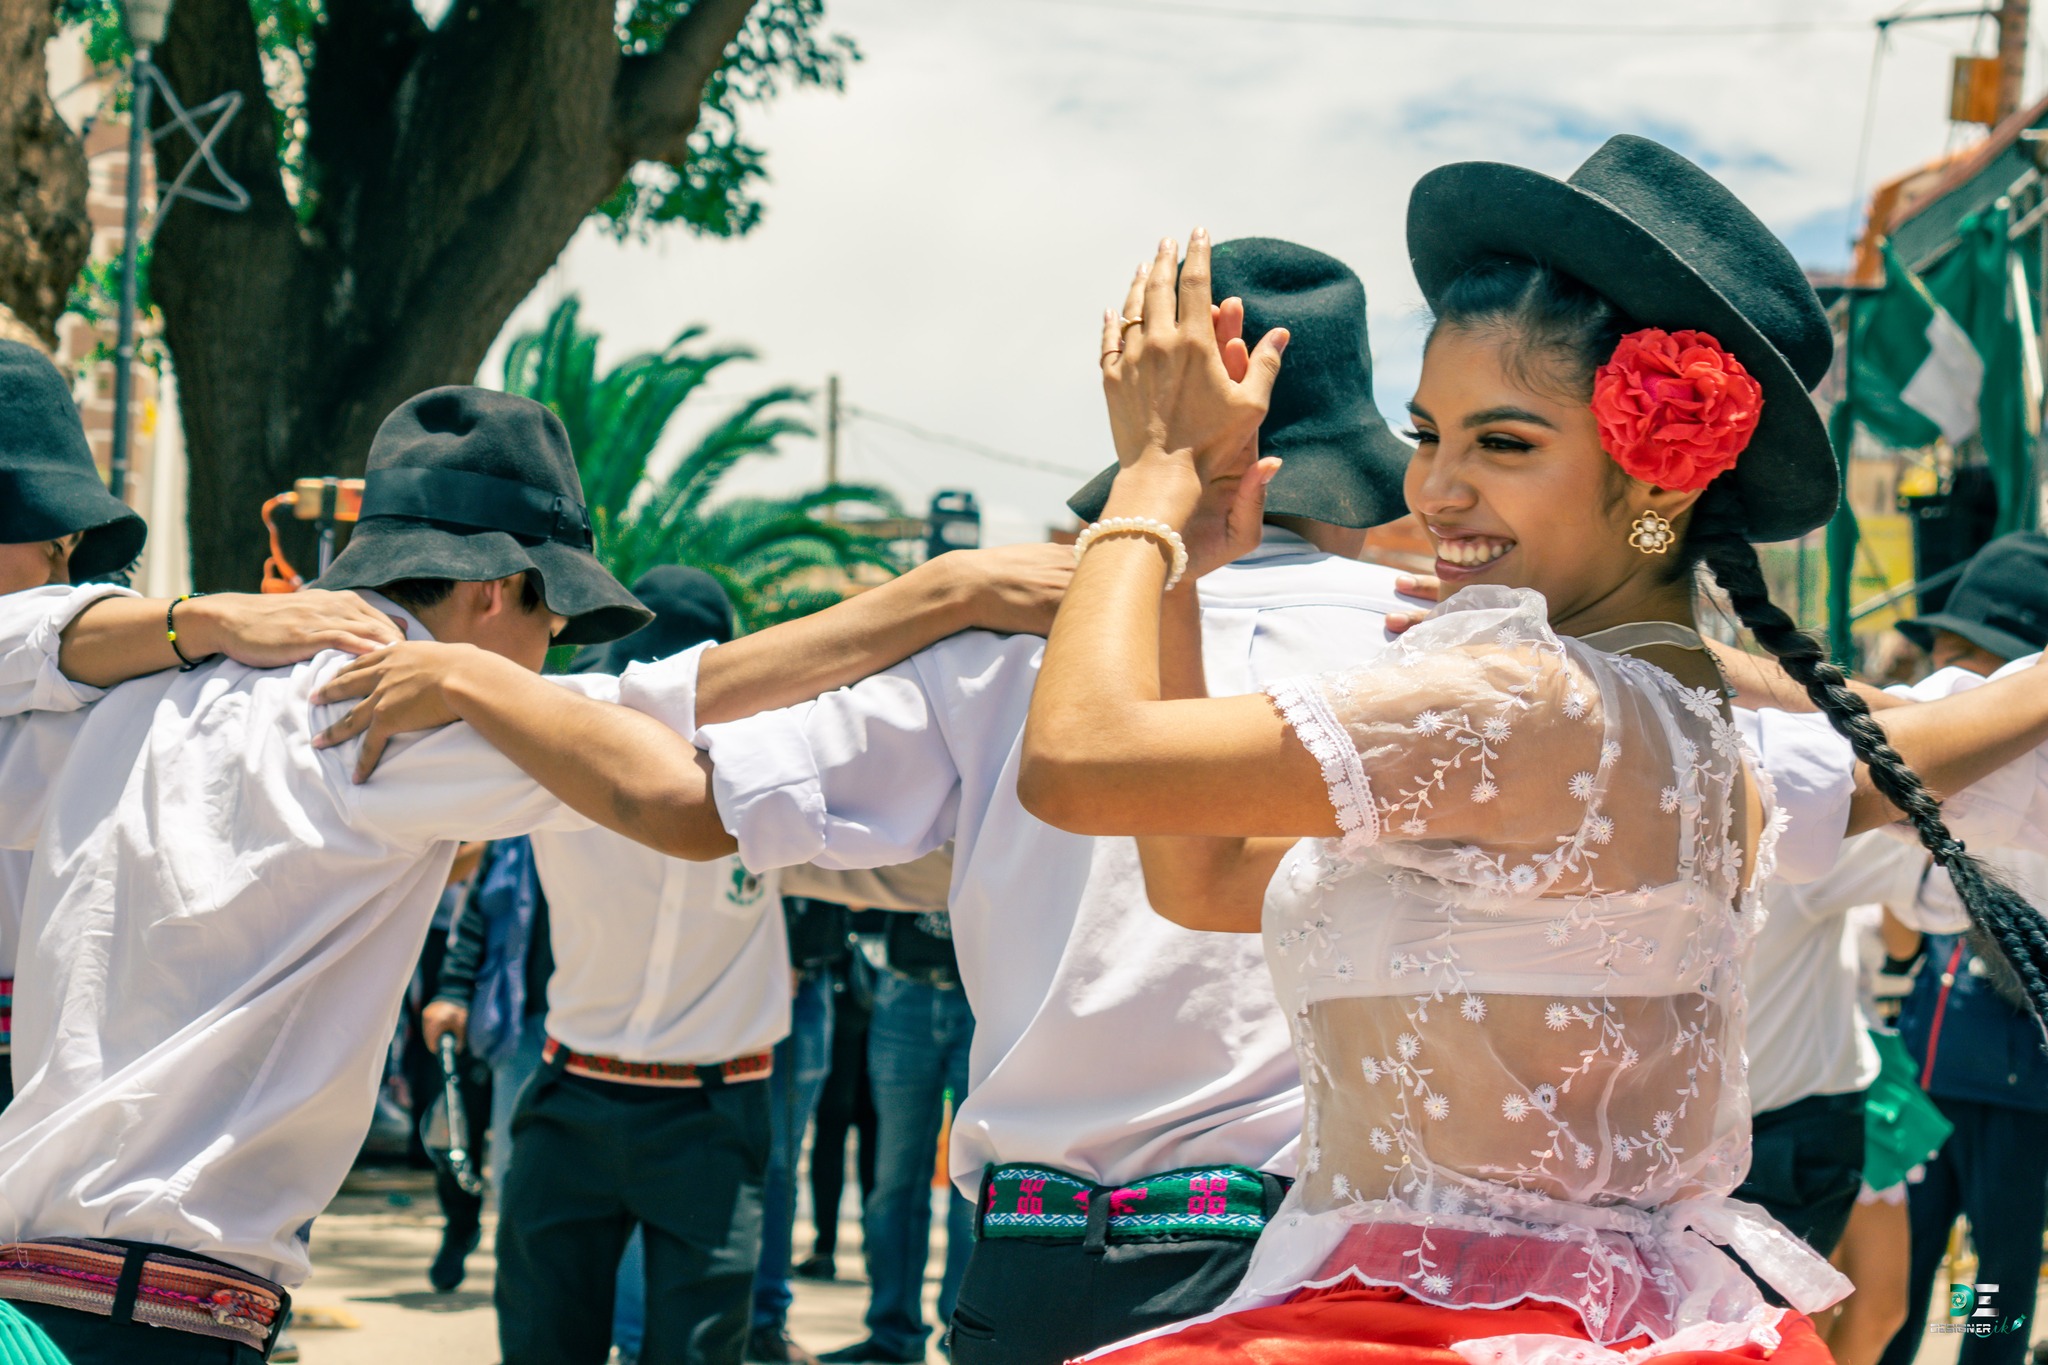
[{"x": 1512, "y": 945}]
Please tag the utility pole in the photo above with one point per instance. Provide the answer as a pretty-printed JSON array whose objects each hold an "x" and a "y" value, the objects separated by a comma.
[
  {"x": 831, "y": 429},
  {"x": 2012, "y": 55}
]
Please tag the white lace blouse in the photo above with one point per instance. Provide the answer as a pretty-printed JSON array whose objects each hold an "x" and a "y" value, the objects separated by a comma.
[{"x": 1515, "y": 988}]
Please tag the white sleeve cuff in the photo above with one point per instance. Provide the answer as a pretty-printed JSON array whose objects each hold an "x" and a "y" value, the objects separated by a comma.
[
  {"x": 667, "y": 690},
  {"x": 32, "y": 625},
  {"x": 770, "y": 794}
]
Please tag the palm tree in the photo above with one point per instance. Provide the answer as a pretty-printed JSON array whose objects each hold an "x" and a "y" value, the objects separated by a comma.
[{"x": 777, "y": 557}]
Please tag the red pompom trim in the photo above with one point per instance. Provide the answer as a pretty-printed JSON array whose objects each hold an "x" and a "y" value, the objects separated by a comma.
[{"x": 1674, "y": 408}]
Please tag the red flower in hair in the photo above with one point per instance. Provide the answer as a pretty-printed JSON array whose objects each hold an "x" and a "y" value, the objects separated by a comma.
[{"x": 1674, "y": 408}]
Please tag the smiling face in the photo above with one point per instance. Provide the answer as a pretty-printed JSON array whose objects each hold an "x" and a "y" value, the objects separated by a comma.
[{"x": 1510, "y": 480}]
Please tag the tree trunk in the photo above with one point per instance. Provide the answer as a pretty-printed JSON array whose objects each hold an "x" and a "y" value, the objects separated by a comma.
[
  {"x": 44, "y": 232},
  {"x": 452, "y": 169}
]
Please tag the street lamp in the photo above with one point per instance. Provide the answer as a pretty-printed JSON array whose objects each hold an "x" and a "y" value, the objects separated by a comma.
[{"x": 146, "y": 21}]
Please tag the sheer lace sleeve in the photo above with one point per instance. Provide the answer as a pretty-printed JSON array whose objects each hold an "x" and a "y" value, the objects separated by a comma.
[{"x": 1485, "y": 750}]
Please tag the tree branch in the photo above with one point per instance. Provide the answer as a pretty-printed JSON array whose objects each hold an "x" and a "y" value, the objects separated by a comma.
[{"x": 659, "y": 96}]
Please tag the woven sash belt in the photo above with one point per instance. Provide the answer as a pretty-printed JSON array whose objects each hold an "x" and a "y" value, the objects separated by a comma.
[
  {"x": 686, "y": 1075},
  {"x": 154, "y": 1286},
  {"x": 1197, "y": 1201}
]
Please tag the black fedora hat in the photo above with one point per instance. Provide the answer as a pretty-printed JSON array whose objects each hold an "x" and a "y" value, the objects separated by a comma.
[
  {"x": 471, "y": 484},
  {"x": 49, "y": 485},
  {"x": 1343, "y": 466},
  {"x": 2000, "y": 603},
  {"x": 689, "y": 606},
  {"x": 1671, "y": 247}
]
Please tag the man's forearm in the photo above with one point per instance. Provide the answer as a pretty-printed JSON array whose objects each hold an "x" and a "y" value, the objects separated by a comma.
[
  {"x": 1958, "y": 740},
  {"x": 799, "y": 660},
  {"x": 118, "y": 638},
  {"x": 628, "y": 772}
]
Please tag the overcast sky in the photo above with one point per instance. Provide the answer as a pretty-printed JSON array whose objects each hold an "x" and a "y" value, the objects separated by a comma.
[{"x": 944, "y": 235}]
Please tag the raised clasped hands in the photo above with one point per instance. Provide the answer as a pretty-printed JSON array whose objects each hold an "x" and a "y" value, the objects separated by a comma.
[{"x": 1185, "y": 400}]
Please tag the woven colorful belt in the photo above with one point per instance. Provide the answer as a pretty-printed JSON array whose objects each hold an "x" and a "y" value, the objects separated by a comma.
[
  {"x": 141, "y": 1284},
  {"x": 1200, "y": 1201},
  {"x": 6, "y": 1014},
  {"x": 681, "y": 1075}
]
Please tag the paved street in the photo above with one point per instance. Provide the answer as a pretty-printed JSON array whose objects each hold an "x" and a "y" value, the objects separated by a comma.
[{"x": 368, "y": 1302}]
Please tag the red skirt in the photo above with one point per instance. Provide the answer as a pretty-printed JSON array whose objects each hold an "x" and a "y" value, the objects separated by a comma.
[{"x": 1357, "y": 1324}]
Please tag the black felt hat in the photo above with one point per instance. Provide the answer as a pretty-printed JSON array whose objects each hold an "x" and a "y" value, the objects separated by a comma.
[
  {"x": 689, "y": 606},
  {"x": 2000, "y": 603},
  {"x": 1671, "y": 247},
  {"x": 1343, "y": 466},
  {"x": 471, "y": 484},
  {"x": 49, "y": 485}
]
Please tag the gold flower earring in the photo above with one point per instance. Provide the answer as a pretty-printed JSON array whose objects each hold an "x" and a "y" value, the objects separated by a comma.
[{"x": 1651, "y": 534}]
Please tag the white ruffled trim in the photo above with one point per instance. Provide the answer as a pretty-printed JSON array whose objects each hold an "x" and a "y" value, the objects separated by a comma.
[{"x": 1302, "y": 706}]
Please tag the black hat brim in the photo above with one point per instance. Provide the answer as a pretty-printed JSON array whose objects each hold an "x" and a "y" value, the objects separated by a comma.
[
  {"x": 1920, "y": 630},
  {"x": 55, "y": 505},
  {"x": 1474, "y": 212},
  {"x": 573, "y": 584},
  {"x": 1354, "y": 481}
]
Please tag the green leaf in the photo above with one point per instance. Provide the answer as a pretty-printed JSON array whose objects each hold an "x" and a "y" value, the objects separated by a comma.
[{"x": 777, "y": 557}]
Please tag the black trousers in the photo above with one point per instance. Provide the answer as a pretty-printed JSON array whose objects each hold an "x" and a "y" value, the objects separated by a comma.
[
  {"x": 590, "y": 1159},
  {"x": 1994, "y": 1171},
  {"x": 88, "y": 1339},
  {"x": 1806, "y": 1165},
  {"x": 1042, "y": 1303},
  {"x": 846, "y": 1106}
]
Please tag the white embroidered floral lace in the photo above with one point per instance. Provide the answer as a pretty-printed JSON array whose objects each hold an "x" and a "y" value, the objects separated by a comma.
[{"x": 1516, "y": 991}]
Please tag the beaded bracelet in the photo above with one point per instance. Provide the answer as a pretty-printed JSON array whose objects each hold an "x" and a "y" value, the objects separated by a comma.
[
  {"x": 185, "y": 665},
  {"x": 1137, "y": 526}
]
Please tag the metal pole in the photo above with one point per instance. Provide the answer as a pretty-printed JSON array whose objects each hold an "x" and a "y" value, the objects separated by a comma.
[
  {"x": 124, "y": 354},
  {"x": 831, "y": 429}
]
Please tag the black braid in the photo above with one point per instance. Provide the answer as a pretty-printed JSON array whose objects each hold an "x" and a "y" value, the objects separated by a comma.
[
  {"x": 1558, "y": 325},
  {"x": 2006, "y": 923}
]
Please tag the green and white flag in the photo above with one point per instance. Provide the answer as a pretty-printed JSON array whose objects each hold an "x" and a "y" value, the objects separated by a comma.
[{"x": 1917, "y": 374}]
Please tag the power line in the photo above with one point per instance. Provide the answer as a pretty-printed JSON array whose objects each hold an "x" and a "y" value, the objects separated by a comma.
[
  {"x": 1506, "y": 27},
  {"x": 971, "y": 447}
]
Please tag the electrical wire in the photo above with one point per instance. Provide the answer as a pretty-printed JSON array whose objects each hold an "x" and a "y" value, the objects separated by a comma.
[
  {"x": 1510, "y": 27},
  {"x": 962, "y": 443}
]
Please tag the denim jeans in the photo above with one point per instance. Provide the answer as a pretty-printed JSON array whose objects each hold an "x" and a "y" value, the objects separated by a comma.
[
  {"x": 917, "y": 1051},
  {"x": 802, "y": 1061},
  {"x": 508, "y": 1079}
]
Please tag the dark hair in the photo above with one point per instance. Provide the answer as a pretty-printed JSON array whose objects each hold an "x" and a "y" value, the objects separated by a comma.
[
  {"x": 418, "y": 594},
  {"x": 1550, "y": 320}
]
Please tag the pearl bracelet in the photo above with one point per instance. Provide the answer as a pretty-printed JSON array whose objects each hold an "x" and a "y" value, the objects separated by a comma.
[{"x": 1137, "y": 526}]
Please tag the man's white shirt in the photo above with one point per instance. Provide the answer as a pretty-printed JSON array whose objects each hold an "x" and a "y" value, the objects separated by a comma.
[
  {"x": 660, "y": 960},
  {"x": 219, "y": 927},
  {"x": 1108, "y": 1041}
]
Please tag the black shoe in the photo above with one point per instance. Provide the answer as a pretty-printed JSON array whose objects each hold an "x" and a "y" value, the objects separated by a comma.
[
  {"x": 771, "y": 1345},
  {"x": 871, "y": 1350},
  {"x": 819, "y": 1266},
  {"x": 447, "y": 1270}
]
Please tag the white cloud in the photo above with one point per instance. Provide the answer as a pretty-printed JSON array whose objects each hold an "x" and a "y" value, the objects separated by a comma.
[{"x": 945, "y": 235}]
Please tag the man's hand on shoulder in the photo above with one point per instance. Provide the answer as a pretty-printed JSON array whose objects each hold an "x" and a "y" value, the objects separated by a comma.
[
  {"x": 1012, "y": 589},
  {"x": 276, "y": 630},
  {"x": 399, "y": 690}
]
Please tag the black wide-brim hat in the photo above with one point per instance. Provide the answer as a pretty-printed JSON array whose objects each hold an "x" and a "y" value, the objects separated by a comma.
[
  {"x": 2000, "y": 602},
  {"x": 1672, "y": 248},
  {"x": 49, "y": 484},
  {"x": 689, "y": 606},
  {"x": 472, "y": 485},
  {"x": 1342, "y": 465}
]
